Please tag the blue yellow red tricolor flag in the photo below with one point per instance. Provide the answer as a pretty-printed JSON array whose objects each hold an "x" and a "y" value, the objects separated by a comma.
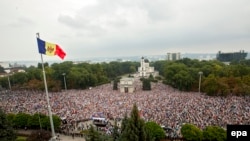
[{"x": 50, "y": 49}]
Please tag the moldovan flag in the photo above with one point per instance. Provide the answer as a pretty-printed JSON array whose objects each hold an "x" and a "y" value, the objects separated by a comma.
[{"x": 50, "y": 49}]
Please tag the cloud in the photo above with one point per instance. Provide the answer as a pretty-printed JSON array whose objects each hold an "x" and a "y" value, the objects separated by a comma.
[
  {"x": 118, "y": 27},
  {"x": 69, "y": 21},
  {"x": 22, "y": 22},
  {"x": 110, "y": 16}
]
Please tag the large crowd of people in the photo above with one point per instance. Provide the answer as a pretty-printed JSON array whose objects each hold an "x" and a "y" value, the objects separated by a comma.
[{"x": 163, "y": 104}]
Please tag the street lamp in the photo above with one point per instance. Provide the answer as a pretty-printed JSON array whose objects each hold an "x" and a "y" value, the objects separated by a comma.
[
  {"x": 39, "y": 116},
  {"x": 39, "y": 121},
  {"x": 9, "y": 81},
  {"x": 200, "y": 73},
  {"x": 65, "y": 86}
]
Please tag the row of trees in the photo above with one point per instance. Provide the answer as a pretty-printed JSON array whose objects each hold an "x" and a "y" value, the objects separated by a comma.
[
  {"x": 6, "y": 130},
  {"x": 36, "y": 121},
  {"x": 217, "y": 78},
  {"x": 211, "y": 133},
  {"x": 10, "y": 122},
  {"x": 77, "y": 76}
]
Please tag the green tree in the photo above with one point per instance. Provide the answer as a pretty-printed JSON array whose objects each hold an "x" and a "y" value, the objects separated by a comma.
[
  {"x": 34, "y": 73},
  {"x": 154, "y": 131},
  {"x": 146, "y": 84},
  {"x": 77, "y": 78},
  {"x": 212, "y": 133},
  {"x": 115, "y": 133},
  {"x": 246, "y": 84},
  {"x": 211, "y": 85},
  {"x": 124, "y": 133},
  {"x": 35, "y": 84},
  {"x": 191, "y": 132},
  {"x": 93, "y": 135},
  {"x": 174, "y": 74},
  {"x": 112, "y": 69},
  {"x": 61, "y": 68},
  {"x": 56, "y": 121},
  {"x": 115, "y": 84},
  {"x": 134, "y": 129},
  {"x": 21, "y": 120},
  {"x": 160, "y": 65},
  {"x": 92, "y": 80},
  {"x": 45, "y": 121},
  {"x": 6, "y": 131},
  {"x": 4, "y": 82},
  {"x": 132, "y": 69},
  {"x": 19, "y": 79},
  {"x": 34, "y": 122},
  {"x": 10, "y": 117},
  {"x": 182, "y": 80},
  {"x": 2, "y": 69},
  {"x": 39, "y": 65}
]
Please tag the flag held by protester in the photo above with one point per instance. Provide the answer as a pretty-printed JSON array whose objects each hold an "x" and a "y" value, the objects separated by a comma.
[{"x": 50, "y": 49}]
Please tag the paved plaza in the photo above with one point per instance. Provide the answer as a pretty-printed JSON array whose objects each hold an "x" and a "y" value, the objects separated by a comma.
[{"x": 69, "y": 138}]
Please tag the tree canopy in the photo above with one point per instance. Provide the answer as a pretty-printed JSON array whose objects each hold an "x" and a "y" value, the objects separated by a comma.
[
  {"x": 133, "y": 129},
  {"x": 191, "y": 132},
  {"x": 226, "y": 79},
  {"x": 154, "y": 131},
  {"x": 77, "y": 76},
  {"x": 6, "y": 131},
  {"x": 22, "y": 120},
  {"x": 217, "y": 78},
  {"x": 212, "y": 133}
]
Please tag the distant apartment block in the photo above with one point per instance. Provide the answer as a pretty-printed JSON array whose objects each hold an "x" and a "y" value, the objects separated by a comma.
[
  {"x": 231, "y": 56},
  {"x": 173, "y": 56}
]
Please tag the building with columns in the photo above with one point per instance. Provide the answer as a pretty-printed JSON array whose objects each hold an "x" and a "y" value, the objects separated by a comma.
[
  {"x": 127, "y": 85},
  {"x": 145, "y": 70}
]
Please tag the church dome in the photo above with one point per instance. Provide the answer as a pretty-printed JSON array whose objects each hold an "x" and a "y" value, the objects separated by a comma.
[{"x": 146, "y": 61}]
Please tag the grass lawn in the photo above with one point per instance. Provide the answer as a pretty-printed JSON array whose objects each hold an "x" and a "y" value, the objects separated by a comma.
[{"x": 21, "y": 138}]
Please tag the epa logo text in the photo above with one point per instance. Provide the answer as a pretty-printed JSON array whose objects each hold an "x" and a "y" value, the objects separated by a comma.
[{"x": 239, "y": 134}]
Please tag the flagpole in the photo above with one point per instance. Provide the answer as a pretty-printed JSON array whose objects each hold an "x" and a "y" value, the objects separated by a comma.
[{"x": 47, "y": 96}]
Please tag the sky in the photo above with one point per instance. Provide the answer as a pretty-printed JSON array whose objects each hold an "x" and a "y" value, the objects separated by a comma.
[{"x": 113, "y": 28}]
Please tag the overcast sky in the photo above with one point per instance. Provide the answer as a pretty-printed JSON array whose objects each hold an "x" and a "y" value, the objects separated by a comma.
[{"x": 97, "y": 28}]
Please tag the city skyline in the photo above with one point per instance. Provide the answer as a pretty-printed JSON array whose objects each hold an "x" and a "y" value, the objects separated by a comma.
[{"x": 110, "y": 28}]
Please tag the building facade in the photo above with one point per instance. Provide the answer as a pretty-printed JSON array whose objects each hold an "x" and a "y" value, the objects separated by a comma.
[
  {"x": 231, "y": 56},
  {"x": 127, "y": 85},
  {"x": 145, "y": 70},
  {"x": 173, "y": 56}
]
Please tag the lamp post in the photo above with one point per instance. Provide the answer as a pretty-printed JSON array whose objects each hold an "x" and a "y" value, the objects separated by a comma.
[
  {"x": 39, "y": 121},
  {"x": 200, "y": 73},
  {"x": 39, "y": 116},
  {"x": 9, "y": 80},
  {"x": 65, "y": 86}
]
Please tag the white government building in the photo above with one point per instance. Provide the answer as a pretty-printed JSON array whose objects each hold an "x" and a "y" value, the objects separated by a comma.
[
  {"x": 127, "y": 85},
  {"x": 145, "y": 70}
]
